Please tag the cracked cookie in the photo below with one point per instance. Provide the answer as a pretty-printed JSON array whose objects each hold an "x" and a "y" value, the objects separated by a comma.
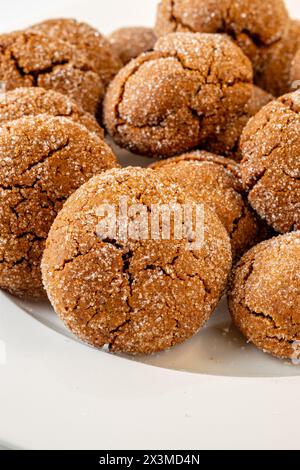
[
  {"x": 29, "y": 59},
  {"x": 229, "y": 139},
  {"x": 128, "y": 43},
  {"x": 264, "y": 296},
  {"x": 275, "y": 69},
  {"x": 90, "y": 42},
  {"x": 215, "y": 181},
  {"x": 185, "y": 94},
  {"x": 132, "y": 294},
  {"x": 33, "y": 101},
  {"x": 43, "y": 159},
  {"x": 270, "y": 146},
  {"x": 252, "y": 24}
]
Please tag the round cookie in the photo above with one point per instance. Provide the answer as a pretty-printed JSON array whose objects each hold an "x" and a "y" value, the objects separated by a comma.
[
  {"x": 43, "y": 159},
  {"x": 97, "y": 49},
  {"x": 29, "y": 59},
  {"x": 128, "y": 43},
  {"x": 270, "y": 146},
  {"x": 215, "y": 181},
  {"x": 185, "y": 94},
  {"x": 274, "y": 71},
  {"x": 264, "y": 296},
  {"x": 252, "y": 24},
  {"x": 128, "y": 294},
  {"x": 33, "y": 101}
]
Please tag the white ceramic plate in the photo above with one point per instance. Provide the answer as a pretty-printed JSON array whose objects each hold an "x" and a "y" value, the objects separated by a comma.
[{"x": 215, "y": 391}]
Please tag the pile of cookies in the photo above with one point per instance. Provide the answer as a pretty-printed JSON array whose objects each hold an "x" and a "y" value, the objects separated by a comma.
[{"x": 211, "y": 95}]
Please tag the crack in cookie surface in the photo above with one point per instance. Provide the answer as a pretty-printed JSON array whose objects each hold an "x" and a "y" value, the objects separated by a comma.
[
  {"x": 43, "y": 160},
  {"x": 270, "y": 166},
  {"x": 215, "y": 181},
  {"x": 130, "y": 295},
  {"x": 30, "y": 59},
  {"x": 32, "y": 101},
  {"x": 264, "y": 295},
  {"x": 252, "y": 25},
  {"x": 139, "y": 116}
]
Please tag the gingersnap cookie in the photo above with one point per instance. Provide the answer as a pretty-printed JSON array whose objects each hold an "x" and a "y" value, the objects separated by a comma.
[
  {"x": 275, "y": 69},
  {"x": 251, "y": 24},
  {"x": 128, "y": 43},
  {"x": 87, "y": 40},
  {"x": 215, "y": 181},
  {"x": 29, "y": 59},
  {"x": 264, "y": 297},
  {"x": 33, "y": 101},
  {"x": 134, "y": 292},
  {"x": 185, "y": 94},
  {"x": 227, "y": 142},
  {"x": 43, "y": 159},
  {"x": 270, "y": 146}
]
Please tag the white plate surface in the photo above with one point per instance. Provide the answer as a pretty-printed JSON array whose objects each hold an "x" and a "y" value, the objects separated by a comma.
[{"x": 215, "y": 391}]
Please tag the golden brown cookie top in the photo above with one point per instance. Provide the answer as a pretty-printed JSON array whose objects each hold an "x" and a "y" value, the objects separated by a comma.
[
  {"x": 264, "y": 297},
  {"x": 270, "y": 167},
  {"x": 88, "y": 40},
  {"x": 43, "y": 159},
  {"x": 129, "y": 42},
  {"x": 215, "y": 181},
  {"x": 33, "y": 101},
  {"x": 135, "y": 296},
  {"x": 251, "y": 22},
  {"x": 29, "y": 59},
  {"x": 180, "y": 96},
  {"x": 218, "y": 55},
  {"x": 30, "y": 146}
]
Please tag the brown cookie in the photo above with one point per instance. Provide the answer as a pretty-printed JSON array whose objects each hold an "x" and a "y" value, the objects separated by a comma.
[
  {"x": 132, "y": 295},
  {"x": 252, "y": 24},
  {"x": 295, "y": 71},
  {"x": 229, "y": 139},
  {"x": 264, "y": 297},
  {"x": 97, "y": 49},
  {"x": 33, "y": 101},
  {"x": 29, "y": 59},
  {"x": 43, "y": 159},
  {"x": 185, "y": 94},
  {"x": 270, "y": 145},
  {"x": 274, "y": 72},
  {"x": 215, "y": 181},
  {"x": 128, "y": 43}
]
